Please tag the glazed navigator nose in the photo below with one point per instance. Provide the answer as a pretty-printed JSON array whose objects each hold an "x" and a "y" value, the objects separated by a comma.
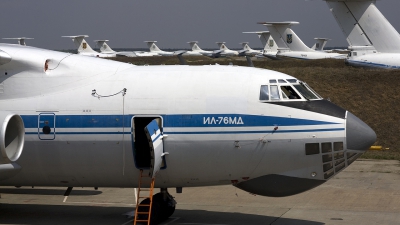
[{"x": 359, "y": 135}]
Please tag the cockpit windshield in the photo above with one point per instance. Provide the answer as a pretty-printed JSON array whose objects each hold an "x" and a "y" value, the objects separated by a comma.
[
  {"x": 303, "y": 89},
  {"x": 287, "y": 90}
]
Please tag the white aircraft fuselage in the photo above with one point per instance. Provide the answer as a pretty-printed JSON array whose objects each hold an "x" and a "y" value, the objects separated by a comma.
[
  {"x": 98, "y": 54},
  {"x": 80, "y": 130},
  {"x": 309, "y": 55},
  {"x": 375, "y": 60}
]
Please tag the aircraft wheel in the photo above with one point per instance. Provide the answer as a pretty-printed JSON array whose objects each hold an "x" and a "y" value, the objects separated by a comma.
[
  {"x": 167, "y": 206},
  {"x": 156, "y": 211}
]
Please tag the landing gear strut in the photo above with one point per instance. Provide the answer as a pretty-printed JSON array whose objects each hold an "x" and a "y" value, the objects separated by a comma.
[{"x": 163, "y": 207}]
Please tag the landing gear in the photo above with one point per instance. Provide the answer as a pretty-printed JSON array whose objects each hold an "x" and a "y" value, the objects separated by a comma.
[{"x": 163, "y": 207}]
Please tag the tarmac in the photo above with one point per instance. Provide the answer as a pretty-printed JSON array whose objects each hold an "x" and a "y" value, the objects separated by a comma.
[{"x": 367, "y": 192}]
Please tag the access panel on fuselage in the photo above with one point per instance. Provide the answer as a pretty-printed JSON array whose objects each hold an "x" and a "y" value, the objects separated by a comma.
[{"x": 47, "y": 126}]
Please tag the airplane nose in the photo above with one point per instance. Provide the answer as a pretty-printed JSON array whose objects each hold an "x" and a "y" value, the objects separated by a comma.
[{"x": 359, "y": 135}]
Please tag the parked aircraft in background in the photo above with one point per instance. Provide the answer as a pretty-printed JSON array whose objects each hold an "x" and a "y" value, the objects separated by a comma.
[
  {"x": 291, "y": 46},
  {"x": 196, "y": 50},
  {"x": 85, "y": 49},
  {"x": 320, "y": 44},
  {"x": 106, "y": 49},
  {"x": 98, "y": 123},
  {"x": 373, "y": 41},
  {"x": 21, "y": 40},
  {"x": 155, "y": 50},
  {"x": 249, "y": 51},
  {"x": 270, "y": 48},
  {"x": 225, "y": 50}
]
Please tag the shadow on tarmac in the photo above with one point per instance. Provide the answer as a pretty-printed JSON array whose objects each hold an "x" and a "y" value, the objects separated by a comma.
[
  {"x": 34, "y": 214},
  {"x": 38, "y": 191}
]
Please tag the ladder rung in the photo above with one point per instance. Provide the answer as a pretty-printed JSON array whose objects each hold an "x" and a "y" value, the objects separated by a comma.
[
  {"x": 142, "y": 220},
  {"x": 144, "y": 205},
  {"x": 142, "y": 197}
]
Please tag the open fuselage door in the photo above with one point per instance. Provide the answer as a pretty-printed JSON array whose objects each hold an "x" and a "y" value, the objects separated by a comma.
[{"x": 155, "y": 139}]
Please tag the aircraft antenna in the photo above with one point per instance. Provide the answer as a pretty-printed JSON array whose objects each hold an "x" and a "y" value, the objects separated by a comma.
[{"x": 94, "y": 94}]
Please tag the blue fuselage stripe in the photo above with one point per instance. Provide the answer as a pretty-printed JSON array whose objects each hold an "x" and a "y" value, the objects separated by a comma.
[
  {"x": 189, "y": 121},
  {"x": 257, "y": 132},
  {"x": 197, "y": 132}
]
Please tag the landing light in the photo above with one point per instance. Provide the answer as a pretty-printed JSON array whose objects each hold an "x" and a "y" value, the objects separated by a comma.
[{"x": 313, "y": 174}]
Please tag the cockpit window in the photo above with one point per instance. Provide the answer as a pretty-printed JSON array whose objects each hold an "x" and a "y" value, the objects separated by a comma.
[
  {"x": 274, "y": 92},
  {"x": 289, "y": 93},
  {"x": 282, "y": 81},
  {"x": 264, "y": 92},
  {"x": 272, "y": 81},
  {"x": 307, "y": 94},
  {"x": 309, "y": 88}
]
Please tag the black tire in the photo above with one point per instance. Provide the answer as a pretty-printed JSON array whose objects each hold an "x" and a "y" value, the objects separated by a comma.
[
  {"x": 166, "y": 209},
  {"x": 156, "y": 216}
]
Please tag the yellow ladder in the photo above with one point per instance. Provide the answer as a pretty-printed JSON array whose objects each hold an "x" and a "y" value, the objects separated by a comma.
[{"x": 140, "y": 198}]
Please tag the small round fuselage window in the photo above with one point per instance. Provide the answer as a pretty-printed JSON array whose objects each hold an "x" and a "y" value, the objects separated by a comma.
[{"x": 46, "y": 130}]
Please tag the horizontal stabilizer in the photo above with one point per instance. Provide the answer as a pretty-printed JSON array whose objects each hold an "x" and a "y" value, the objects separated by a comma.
[
  {"x": 21, "y": 40},
  {"x": 76, "y": 36},
  {"x": 287, "y": 23}
]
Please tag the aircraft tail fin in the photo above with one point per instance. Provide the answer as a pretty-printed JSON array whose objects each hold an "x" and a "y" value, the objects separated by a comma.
[
  {"x": 320, "y": 44},
  {"x": 194, "y": 46},
  {"x": 246, "y": 46},
  {"x": 222, "y": 46},
  {"x": 285, "y": 37},
  {"x": 81, "y": 43},
  {"x": 364, "y": 25},
  {"x": 152, "y": 46},
  {"x": 104, "y": 47},
  {"x": 266, "y": 39},
  {"x": 21, "y": 40}
]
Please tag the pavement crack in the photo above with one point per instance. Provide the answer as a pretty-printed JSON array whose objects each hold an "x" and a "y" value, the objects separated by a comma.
[{"x": 280, "y": 216}]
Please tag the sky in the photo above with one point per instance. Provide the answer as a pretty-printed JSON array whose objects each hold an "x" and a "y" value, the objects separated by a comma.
[{"x": 128, "y": 23}]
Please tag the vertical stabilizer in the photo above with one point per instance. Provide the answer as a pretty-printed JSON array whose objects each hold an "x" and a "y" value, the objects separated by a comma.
[
  {"x": 194, "y": 46},
  {"x": 152, "y": 46},
  {"x": 266, "y": 39},
  {"x": 364, "y": 25},
  {"x": 270, "y": 44},
  {"x": 246, "y": 46},
  {"x": 320, "y": 44},
  {"x": 285, "y": 37},
  {"x": 104, "y": 47},
  {"x": 222, "y": 46},
  {"x": 81, "y": 44}
]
